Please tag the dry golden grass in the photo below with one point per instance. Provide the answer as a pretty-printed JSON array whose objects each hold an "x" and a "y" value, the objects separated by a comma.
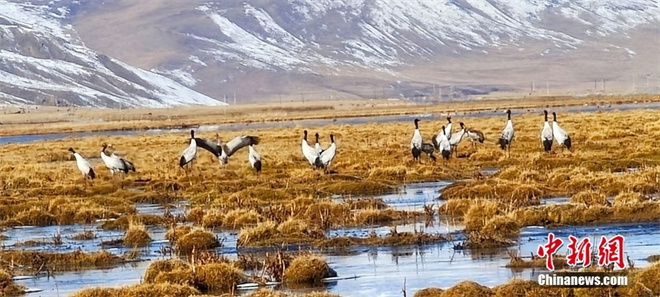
[
  {"x": 159, "y": 266},
  {"x": 196, "y": 239},
  {"x": 515, "y": 287},
  {"x": 60, "y": 261},
  {"x": 7, "y": 285},
  {"x": 53, "y": 119},
  {"x": 429, "y": 292},
  {"x": 218, "y": 277},
  {"x": 641, "y": 282},
  {"x": 137, "y": 235},
  {"x": 143, "y": 290},
  {"x": 306, "y": 269},
  {"x": 43, "y": 187},
  {"x": 467, "y": 288}
]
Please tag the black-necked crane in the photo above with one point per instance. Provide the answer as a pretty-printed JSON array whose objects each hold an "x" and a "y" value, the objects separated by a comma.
[
  {"x": 563, "y": 139},
  {"x": 444, "y": 146},
  {"x": 416, "y": 142},
  {"x": 317, "y": 145},
  {"x": 190, "y": 152},
  {"x": 224, "y": 151},
  {"x": 254, "y": 158},
  {"x": 114, "y": 162},
  {"x": 507, "y": 134},
  {"x": 447, "y": 128},
  {"x": 456, "y": 138},
  {"x": 328, "y": 155},
  {"x": 475, "y": 136},
  {"x": 83, "y": 165},
  {"x": 310, "y": 153},
  {"x": 546, "y": 134}
]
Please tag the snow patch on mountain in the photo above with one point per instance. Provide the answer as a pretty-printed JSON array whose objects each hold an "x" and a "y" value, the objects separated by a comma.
[{"x": 43, "y": 62}]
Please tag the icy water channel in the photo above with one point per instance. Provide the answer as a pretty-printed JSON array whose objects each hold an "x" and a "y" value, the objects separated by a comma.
[{"x": 317, "y": 122}]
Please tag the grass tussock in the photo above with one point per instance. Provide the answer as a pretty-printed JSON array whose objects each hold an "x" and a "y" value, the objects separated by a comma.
[
  {"x": 653, "y": 258},
  {"x": 288, "y": 232},
  {"x": 159, "y": 266},
  {"x": 502, "y": 226},
  {"x": 173, "y": 234},
  {"x": 307, "y": 269},
  {"x": 238, "y": 218},
  {"x": 197, "y": 239},
  {"x": 60, "y": 261},
  {"x": 195, "y": 215},
  {"x": 222, "y": 277},
  {"x": 137, "y": 235},
  {"x": 142, "y": 290},
  {"x": 429, "y": 292},
  {"x": 468, "y": 288},
  {"x": 516, "y": 287},
  {"x": 455, "y": 207},
  {"x": 480, "y": 212},
  {"x": 589, "y": 197},
  {"x": 578, "y": 214},
  {"x": 7, "y": 285},
  {"x": 213, "y": 219}
]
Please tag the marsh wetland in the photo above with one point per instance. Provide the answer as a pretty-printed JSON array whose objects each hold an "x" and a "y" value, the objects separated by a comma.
[{"x": 378, "y": 221}]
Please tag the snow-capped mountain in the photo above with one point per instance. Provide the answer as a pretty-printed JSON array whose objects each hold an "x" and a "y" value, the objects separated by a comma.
[
  {"x": 267, "y": 49},
  {"x": 42, "y": 61}
]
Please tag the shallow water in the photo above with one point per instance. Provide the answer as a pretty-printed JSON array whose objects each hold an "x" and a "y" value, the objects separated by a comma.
[
  {"x": 379, "y": 271},
  {"x": 319, "y": 122}
]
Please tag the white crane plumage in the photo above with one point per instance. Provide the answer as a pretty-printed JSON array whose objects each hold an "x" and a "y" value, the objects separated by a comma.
[
  {"x": 507, "y": 134},
  {"x": 546, "y": 134},
  {"x": 456, "y": 138},
  {"x": 190, "y": 152},
  {"x": 254, "y": 158},
  {"x": 447, "y": 129},
  {"x": 310, "y": 153},
  {"x": 416, "y": 142},
  {"x": 317, "y": 145},
  {"x": 116, "y": 163},
  {"x": 563, "y": 139},
  {"x": 224, "y": 151},
  {"x": 328, "y": 155},
  {"x": 83, "y": 165},
  {"x": 444, "y": 145},
  {"x": 475, "y": 136}
]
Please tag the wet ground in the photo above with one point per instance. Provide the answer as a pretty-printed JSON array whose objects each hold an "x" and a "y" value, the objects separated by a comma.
[{"x": 375, "y": 271}]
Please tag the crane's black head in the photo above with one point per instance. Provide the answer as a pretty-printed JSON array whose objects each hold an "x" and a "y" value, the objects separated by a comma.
[
  {"x": 443, "y": 130},
  {"x": 332, "y": 138},
  {"x": 71, "y": 150},
  {"x": 449, "y": 120},
  {"x": 192, "y": 133},
  {"x": 317, "y": 137},
  {"x": 305, "y": 135},
  {"x": 416, "y": 125},
  {"x": 508, "y": 113},
  {"x": 554, "y": 116},
  {"x": 462, "y": 126}
]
